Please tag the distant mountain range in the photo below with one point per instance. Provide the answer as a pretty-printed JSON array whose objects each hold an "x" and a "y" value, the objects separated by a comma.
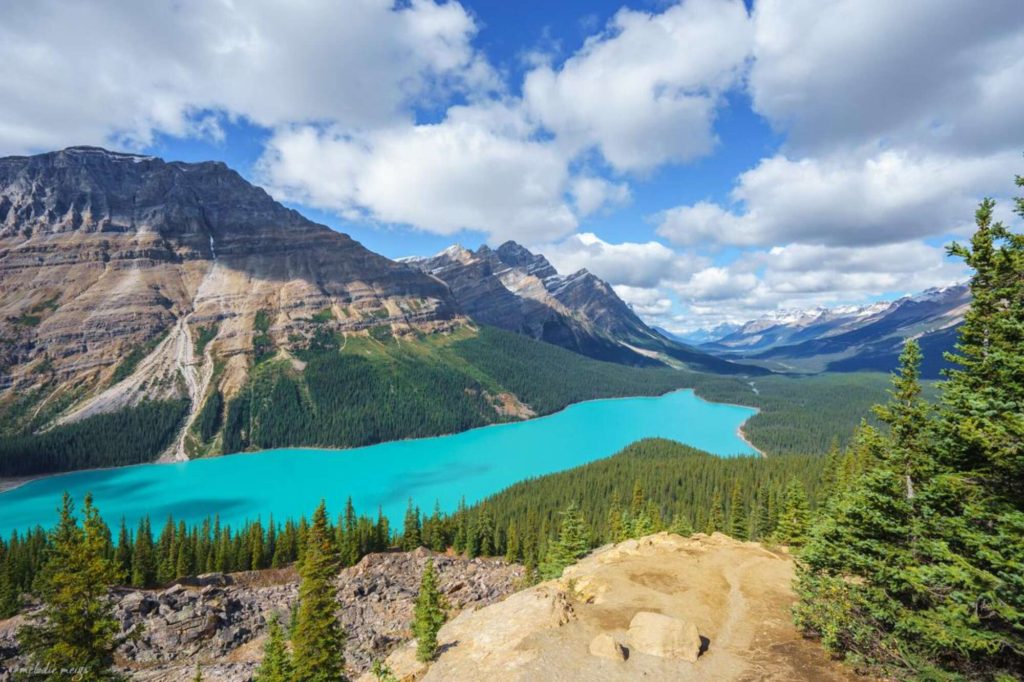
[
  {"x": 514, "y": 289},
  {"x": 849, "y": 338}
]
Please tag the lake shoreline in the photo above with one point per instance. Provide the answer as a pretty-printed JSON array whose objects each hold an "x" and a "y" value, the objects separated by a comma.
[{"x": 13, "y": 483}]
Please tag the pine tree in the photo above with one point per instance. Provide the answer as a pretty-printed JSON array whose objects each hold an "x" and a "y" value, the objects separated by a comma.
[
  {"x": 637, "y": 504},
  {"x": 714, "y": 515},
  {"x": 350, "y": 546},
  {"x": 411, "y": 528},
  {"x": 198, "y": 677},
  {"x": 123, "y": 555},
  {"x": 9, "y": 601},
  {"x": 429, "y": 614},
  {"x": 573, "y": 543},
  {"x": 143, "y": 556},
  {"x": 485, "y": 532},
  {"x": 915, "y": 567},
  {"x": 277, "y": 663},
  {"x": 318, "y": 639},
  {"x": 616, "y": 525},
  {"x": 75, "y": 634},
  {"x": 736, "y": 525},
  {"x": 795, "y": 518},
  {"x": 681, "y": 525},
  {"x": 513, "y": 550}
]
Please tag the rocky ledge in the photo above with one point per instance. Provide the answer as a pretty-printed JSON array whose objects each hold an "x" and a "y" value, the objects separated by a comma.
[
  {"x": 663, "y": 607},
  {"x": 219, "y": 621}
]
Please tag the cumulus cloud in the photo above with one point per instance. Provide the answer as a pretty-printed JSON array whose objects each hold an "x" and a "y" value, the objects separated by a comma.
[
  {"x": 445, "y": 177},
  {"x": 801, "y": 275},
  {"x": 649, "y": 303},
  {"x": 633, "y": 264},
  {"x": 886, "y": 198},
  {"x": 592, "y": 193},
  {"x": 934, "y": 74},
  {"x": 645, "y": 91},
  {"x": 122, "y": 71}
]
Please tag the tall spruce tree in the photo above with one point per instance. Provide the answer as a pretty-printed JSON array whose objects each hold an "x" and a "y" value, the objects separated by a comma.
[
  {"x": 915, "y": 567},
  {"x": 276, "y": 665},
  {"x": 429, "y": 614},
  {"x": 795, "y": 517},
  {"x": 318, "y": 639},
  {"x": 144, "y": 556},
  {"x": 573, "y": 543},
  {"x": 74, "y": 636}
]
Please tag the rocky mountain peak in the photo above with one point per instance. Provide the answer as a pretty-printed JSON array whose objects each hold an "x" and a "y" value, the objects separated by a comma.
[{"x": 104, "y": 253}]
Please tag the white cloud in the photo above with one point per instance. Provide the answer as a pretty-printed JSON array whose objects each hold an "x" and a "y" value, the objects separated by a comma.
[
  {"x": 443, "y": 178},
  {"x": 633, "y": 264},
  {"x": 802, "y": 276},
  {"x": 592, "y": 193},
  {"x": 646, "y": 90},
  {"x": 939, "y": 75},
  {"x": 649, "y": 303},
  {"x": 836, "y": 200},
  {"x": 120, "y": 71}
]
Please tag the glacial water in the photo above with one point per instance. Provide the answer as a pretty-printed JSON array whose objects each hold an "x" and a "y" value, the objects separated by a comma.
[{"x": 290, "y": 482}]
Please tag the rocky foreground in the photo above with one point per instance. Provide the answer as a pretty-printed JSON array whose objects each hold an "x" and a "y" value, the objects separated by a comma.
[
  {"x": 220, "y": 620},
  {"x": 660, "y": 608}
]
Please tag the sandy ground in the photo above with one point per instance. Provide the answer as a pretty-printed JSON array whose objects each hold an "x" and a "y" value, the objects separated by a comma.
[{"x": 737, "y": 594}]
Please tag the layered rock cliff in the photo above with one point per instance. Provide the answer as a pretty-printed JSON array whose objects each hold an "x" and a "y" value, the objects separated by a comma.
[{"x": 124, "y": 277}]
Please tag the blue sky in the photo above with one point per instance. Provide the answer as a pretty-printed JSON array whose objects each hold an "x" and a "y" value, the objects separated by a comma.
[{"x": 715, "y": 160}]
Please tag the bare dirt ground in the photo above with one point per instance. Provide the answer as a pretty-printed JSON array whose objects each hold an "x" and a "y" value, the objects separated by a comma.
[{"x": 737, "y": 594}]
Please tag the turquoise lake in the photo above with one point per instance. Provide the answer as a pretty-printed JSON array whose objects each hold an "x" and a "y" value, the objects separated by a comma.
[{"x": 290, "y": 482}]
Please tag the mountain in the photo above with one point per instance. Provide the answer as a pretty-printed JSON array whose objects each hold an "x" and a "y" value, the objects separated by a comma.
[
  {"x": 119, "y": 273},
  {"x": 514, "y": 289},
  {"x": 154, "y": 307},
  {"x": 851, "y": 338}
]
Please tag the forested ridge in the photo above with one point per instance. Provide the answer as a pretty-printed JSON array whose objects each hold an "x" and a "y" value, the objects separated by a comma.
[{"x": 371, "y": 390}]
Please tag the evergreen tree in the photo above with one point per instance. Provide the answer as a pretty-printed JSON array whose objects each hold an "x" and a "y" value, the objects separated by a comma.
[
  {"x": 277, "y": 663},
  {"x": 573, "y": 543},
  {"x": 123, "y": 555},
  {"x": 429, "y": 614},
  {"x": 485, "y": 532},
  {"x": 736, "y": 526},
  {"x": 794, "y": 519},
  {"x": 198, "y": 677},
  {"x": 915, "y": 567},
  {"x": 75, "y": 634},
  {"x": 616, "y": 524},
  {"x": 714, "y": 515},
  {"x": 318, "y": 639},
  {"x": 411, "y": 528},
  {"x": 9, "y": 601},
  {"x": 681, "y": 525},
  {"x": 513, "y": 551},
  {"x": 143, "y": 556}
]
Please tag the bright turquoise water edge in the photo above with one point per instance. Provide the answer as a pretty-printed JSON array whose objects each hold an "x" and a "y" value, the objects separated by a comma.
[{"x": 289, "y": 482}]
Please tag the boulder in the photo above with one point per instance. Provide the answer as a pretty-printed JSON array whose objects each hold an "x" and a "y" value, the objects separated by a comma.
[
  {"x": 606, "y": 646},
  {"x": 664, "y": 636}
]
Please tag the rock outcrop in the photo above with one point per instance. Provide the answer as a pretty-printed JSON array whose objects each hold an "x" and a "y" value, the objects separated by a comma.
[
  {"x": 662, "y": 608},
  {"x": 220, "y": 621}
]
